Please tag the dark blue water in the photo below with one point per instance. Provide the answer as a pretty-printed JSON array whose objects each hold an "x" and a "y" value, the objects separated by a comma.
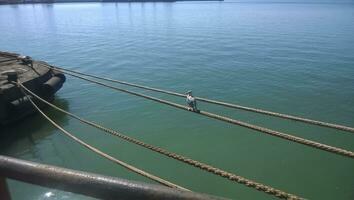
[{"x": 286, "y": 57}]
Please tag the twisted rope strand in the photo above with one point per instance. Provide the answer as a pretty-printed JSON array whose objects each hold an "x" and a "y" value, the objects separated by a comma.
[
  {"x": 230, "y": 105},
  {"x": 97, "y": 151},
  {"x": 279, "y": 134},
  {"x": 200, "y": 165}
]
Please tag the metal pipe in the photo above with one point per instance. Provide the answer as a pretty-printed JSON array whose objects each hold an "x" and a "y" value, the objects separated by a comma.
[{"x": 89, "y": 184}]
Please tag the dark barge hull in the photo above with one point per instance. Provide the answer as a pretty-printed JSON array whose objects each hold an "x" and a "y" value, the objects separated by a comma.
[{"x": 35, "y": 76}]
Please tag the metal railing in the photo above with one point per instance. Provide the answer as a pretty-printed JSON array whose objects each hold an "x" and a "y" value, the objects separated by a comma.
[{"x": 89, "y": 184}]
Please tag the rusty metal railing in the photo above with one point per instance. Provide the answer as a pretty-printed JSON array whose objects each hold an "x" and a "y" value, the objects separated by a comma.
[{"x": 89, "y": 184}]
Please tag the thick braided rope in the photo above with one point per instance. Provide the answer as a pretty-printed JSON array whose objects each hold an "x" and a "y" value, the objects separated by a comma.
[
  {"x": 230, "y": 105},
  {"x": 203, "y": 166},
  {"x": 97, "y": 151},
  {"x": 296, "y": 139}
]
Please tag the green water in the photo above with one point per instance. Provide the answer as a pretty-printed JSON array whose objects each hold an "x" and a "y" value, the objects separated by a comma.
[{"x": 293, "y": 58}]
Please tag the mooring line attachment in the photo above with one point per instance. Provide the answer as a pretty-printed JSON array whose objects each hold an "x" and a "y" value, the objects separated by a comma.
[
  {"x": 279, "y": 134},
  {"x": 97, "y": 151},
  {"x": 200, "y": 165},
  {"x": 230, "y": 105}
]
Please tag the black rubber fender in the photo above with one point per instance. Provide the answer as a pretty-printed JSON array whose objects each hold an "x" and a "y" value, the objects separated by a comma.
[
  {"x": 59, "y": 74},
  {"x": 21, "y": 103},
  {"x": 53, "y": 84}
]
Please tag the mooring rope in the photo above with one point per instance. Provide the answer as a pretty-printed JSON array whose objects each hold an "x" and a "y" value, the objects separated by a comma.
[
  {"x": 279, "y": 134},
  {"x": 230, "y": 105},
  {"x": 97, "y": 151},
  {"x": 200, "y": 165}
]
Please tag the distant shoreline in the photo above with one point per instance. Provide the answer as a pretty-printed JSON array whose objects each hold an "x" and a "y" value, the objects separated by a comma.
[{"x": 7, "y": 2}]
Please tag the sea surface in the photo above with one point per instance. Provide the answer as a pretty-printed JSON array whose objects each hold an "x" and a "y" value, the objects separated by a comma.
[{"x": 295, "y": 58}]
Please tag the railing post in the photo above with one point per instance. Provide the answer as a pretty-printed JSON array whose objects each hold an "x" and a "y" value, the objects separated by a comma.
[{"x": 4, "y": 190}]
